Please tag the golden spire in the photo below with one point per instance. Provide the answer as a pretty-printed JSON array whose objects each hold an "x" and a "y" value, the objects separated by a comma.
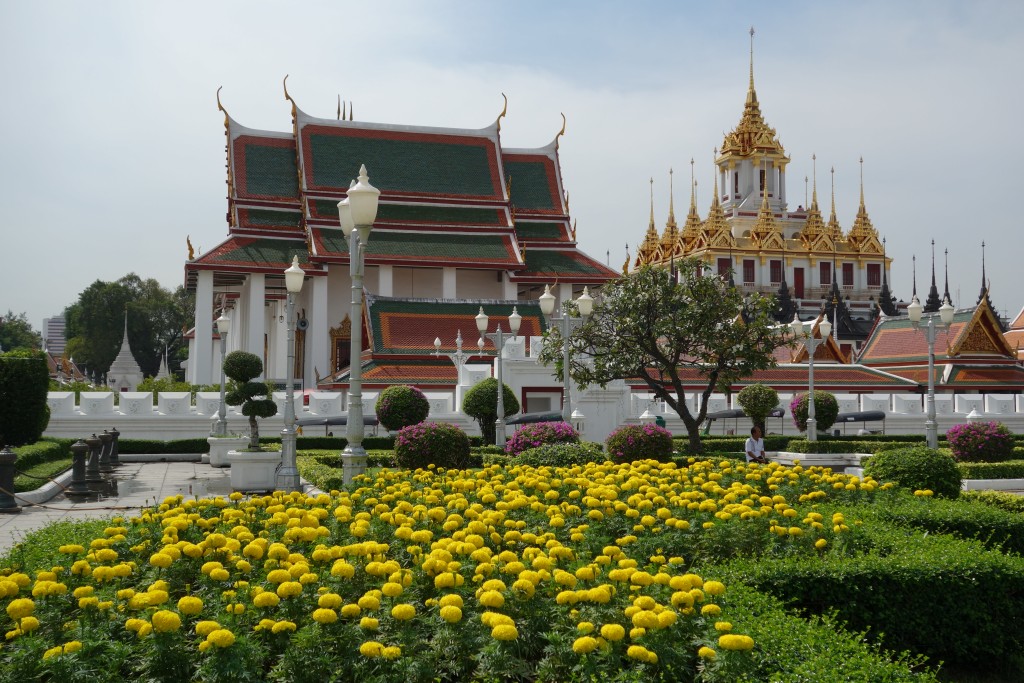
[
  {"x": 751, "y": 93},
  {"x": 647, "y": 250},
  {"x": 863, "y": 236},
  {"x": 715, "y": 231},
  {"x": 766, "y": 233},
  {"x": 671, "y": 235},
  {"x": 672, "y": 195},
  {"x": 691, "y": 229},
  {"x": 834, "y": 230},
  {"x": 815, "y": 236},
  {"x": 752, "y": 134},
  {"x": 625, "y": 264}
]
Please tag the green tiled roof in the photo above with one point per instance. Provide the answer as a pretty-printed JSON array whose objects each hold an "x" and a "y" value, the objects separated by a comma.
[
  {"x": 426, "y": 246},
  {"x": 402, "y": 165},
  {"x": 270, "y": 171},
  {"x": 264, "y": 218},
  {"x": 539, "y": 231},
  {"x": 557, "y": 263},
  {"x": 531, "y": 187},
  {"x": 421, "y": 213},
  {"x": 258, "y": 252}
]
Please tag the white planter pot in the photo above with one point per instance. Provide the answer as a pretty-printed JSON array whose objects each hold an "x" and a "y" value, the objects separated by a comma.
[
  {"x": 254, "y": 471},
  {"x": 219, "y": 447}
]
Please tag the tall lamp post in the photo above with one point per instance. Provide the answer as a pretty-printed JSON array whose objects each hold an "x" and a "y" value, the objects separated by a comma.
[
  {"x": 220, "y": 425},
  {"x": 288, "y": 475},
  {"x": 914, "y": 312},
  {"x": 357, "y": 213},
  {"x": 805, "y": 331},
  {"x": 498, "y": 337},
  {"x": 459, "y": 358},
  {"x": 585, "y": 304}
]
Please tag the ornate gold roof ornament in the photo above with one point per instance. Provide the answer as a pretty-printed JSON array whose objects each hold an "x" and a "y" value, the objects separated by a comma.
[
  {"x": 815, "y": 235},
  {"x": 625, "y": 264},
  {"x": 191, "y": 251},
  {"x": 220, "y": 107},
  {"x": 573, "y": 229},
  {"x": 834, "y": 230},
  {"x": 227, "y": 152},
  {"x": 646, "y": 252},
  {"x": 504, "y": 110},
  {"x": 567, "y": 202},
  {"x": 690, "y": 233},
  {"x": 715, "y": 231},
  {"x": 288, "y": 97},
  {"x": 667, "y": 246},
  {"x": 862, "y": 236},
  {"x": 561, "y": 132},
  {"x": 766, "y": 233},
  {"x": 752, "y": 134}
]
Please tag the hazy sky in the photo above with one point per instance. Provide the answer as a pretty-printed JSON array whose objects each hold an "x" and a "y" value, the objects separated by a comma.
[{"x": 113, "y": 148}]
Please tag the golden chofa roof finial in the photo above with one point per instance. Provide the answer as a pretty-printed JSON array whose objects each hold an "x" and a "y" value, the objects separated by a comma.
[
  {"x": 504, "y": 110},
  {"x": 220, "y": 107},
  {"x": 562, "y": 132}
]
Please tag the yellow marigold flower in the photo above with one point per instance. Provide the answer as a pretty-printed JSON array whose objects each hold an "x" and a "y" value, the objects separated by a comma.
[
  {"x": 9, "y": 588},
  {"x": 166, "y": 620},
  {"x": 369, "y": 603},
  {"x": 91, "y": 601},
  {"x": 205, "y": 645},
  {"x": 734, "y": 641},
  {"x": 638, "y": 652},
  {"x": 330, "y": 601},
  {"x": 451, "y": 614},
  {"x": 714, "y": 588},
  {"x": 820, "y": 544},
  {"x": 453, "y": 599},
  {"x": 391, "y": 652},
  {"x": 72, "y": 646},
  {"x": 53, "y": 652},
  {"x": 282, "y": 626},
  {"x": 392, "y": 590},
  {"x": 637, "y": 632},
  {"x": 73, "y": 549},
  {"x": 504, "y": 632},
  {"x": 266, "y": 599},
  {"x": 723, "y": 626},
  {"x": 645, "y": 619},
  {"x": 371, "y": 649},
  {"x": 190, "y": 605},
  {"x": 711, "y": 610},
  {"x": 445, "y": 580},
  {"x": 613, "y": 632},
  {"x": 403, "y": 612},
  {"x": 666, "y": 618},
  {"x": 205, "y": 628},
  {"x": 584, "y": 645},
  {"x": 160, "y": 560},
  {"x": 145, "y": 629},
  {"x": 369, "y": 623},
  {"x": 20, "y": 608},
  {"x": 289, "y": 589},
  {"x": 156, "y": 597},
  {"x": 350, "y": 611},
  {"x": 325, "y": 616},
  {"x": 492, "y": 599},
  {"x": 28, "y": 624},
  {"x": 343, "y": 569},
  {"x": 83, "y": 591},
  {"x": 706, "y": 653},
  {"x": 585, "y": 627},
  {"x": 221, "y": 637}
]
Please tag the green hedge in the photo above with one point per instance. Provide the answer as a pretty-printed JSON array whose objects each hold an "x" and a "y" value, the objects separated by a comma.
[
  {"x": 836, "y": 446},
  {"x": 158, "y": 446},
  {"x": 42, "y": 451},
  {"x": 949, "y": 599},
  {"x": 997, "y": 499},
  {"x": 964, "y": 518},
  {"x": 736, "y": 444},
  {"x": 1009, "y": 469}
]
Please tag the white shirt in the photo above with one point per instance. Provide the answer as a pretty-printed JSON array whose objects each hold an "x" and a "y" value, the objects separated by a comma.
[{"x": 755, "y": 446}]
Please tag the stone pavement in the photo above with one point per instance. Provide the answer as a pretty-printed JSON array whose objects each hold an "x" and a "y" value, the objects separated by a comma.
[{"x": 135, "y": 485}]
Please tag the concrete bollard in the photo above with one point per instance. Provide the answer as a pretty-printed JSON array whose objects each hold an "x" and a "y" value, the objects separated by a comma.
[
  {"x": 113, "y": 447},
  {"x": 7, "y": 502},
  {"x": 79, "y": 489},
  {"x": 105, "y": 440},
  {"x": 92, "y": 471}
]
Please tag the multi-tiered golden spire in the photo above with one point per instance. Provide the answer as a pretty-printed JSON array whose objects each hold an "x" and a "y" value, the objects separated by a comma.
[
  {"x": 691, "y": 229},
  {"x": 714, "y": 231},
  {"x": 863, "y": 237},
  {"x": 815, "y": 235},
  {"x": 766, "y": 233},
  {"x": 647, "y": 250},
  {"x": 834, "y": 230},
  {"x": 752, "y": 133},
  {"x": 670, "y": 236}
]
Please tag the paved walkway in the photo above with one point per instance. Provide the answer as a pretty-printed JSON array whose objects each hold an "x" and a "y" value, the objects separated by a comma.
[{"x": 135, "y": 485}]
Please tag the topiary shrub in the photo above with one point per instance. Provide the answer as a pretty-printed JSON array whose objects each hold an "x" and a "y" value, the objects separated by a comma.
[
  {"x": 400, "y": 406},
  {"x": 481, "y": 404},
  {"x": 826, "y": 410},
  {"x": 560, "y": 455},
  {"x": 24, "y": 381},
  {"x": 432, "y": 443},
  {"x": 540, "y": 433},
  {"x": 981, "y": 442},
  {"x": 758, "y": 401},
  {"x": 916, "y": 469},
  {"x": 639, "y": 442},
  {"x": 242, "y": 367}
]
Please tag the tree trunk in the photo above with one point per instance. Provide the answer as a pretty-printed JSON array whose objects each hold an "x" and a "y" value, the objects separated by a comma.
[
  {"x": 488, "y": 431},
  {"x": 696, "y": 446},
  {"x": 254, "y": 434}
]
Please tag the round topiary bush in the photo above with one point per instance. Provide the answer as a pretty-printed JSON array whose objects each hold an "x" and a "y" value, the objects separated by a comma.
[
  {"x": 917, "y": 469},
  {"x": 826, "y": 410},
  {"x": 540, "y": 433},
  {"x": 758, "y": 401},
  {"x": 432, "y": 443},
  {"x": 560, "y": 455},
  {"x": 242, "y": 368},
  {"x": 981, "y": 442},
  {"x": 481, "y": 404},
  {"x": 400, "y": 406},
  {"x": 639, "y": 442}
]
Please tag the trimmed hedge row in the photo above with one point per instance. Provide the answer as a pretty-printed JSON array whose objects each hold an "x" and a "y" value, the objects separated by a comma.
[
  {"x": 835, "y": 446},
  {"x": 997, "y": 499},
  {"x": 39, "y": 452},
  {"x": 997, "y": 529},
  {"x": 1010, "y": 469},
  {"x": 772, "y": 442}
]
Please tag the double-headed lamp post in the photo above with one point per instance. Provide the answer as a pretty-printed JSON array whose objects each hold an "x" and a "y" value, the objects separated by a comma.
[
  {"x": 357, "y": 212},
  {"x": 220, "y": 425},
  {"x": 805, "y": 331},
  {"x": 459, "y": 358},
  {"x": 585, "y": 304},
  {"x": 288, "y": 475},
  {"x": 914, "y": 312},
  {"x": 498, "y": 337}
]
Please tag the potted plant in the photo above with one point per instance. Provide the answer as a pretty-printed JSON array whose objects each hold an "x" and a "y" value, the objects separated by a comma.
[{"x": 253, "y": 468}]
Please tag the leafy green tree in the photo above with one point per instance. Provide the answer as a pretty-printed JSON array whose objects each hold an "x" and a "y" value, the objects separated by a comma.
[
  {"x": 24, "y": 381},
  {"x": 481, "y": 404},
  {"x": 671, "y": 333},
  {"x": 157, "y": 318},
  {"x": 242, "y": 368},
  {"x": 758, "y": 401},
  {"x": 16, "y": 333}
]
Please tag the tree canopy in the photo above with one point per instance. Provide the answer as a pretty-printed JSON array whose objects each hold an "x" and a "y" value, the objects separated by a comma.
[
  {"x": 16, "y": 333},
  {"x": 156, "y": 317},
  {"x": 671, "y": 332}
]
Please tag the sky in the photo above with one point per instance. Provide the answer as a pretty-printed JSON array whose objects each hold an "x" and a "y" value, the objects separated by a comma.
[{"x": 113, "y": 148}]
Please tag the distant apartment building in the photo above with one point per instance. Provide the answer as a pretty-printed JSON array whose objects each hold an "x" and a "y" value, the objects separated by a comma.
[{"x": 53, "y": 335}]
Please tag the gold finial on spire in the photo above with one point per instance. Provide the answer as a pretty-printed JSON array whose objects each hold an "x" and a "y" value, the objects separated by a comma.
[
  {"x": 651, "y": 224},
  {"x": 751, "y": 60},
  {"x": 805, "y": 192},
  {"x": 220, "y": 107},
  {"x": 573, "y": 229},
  {"x": 862, "y": 182},
  {"x": 286, "y": 95},
  {"x": 504, "y": 110},
  {"x": 672, "y": 193},
  {"x": 625, "y": 264},
  {"x": 814, "y": 166},
  {"x": 561, "y": 132},
  {"x": 567, "y": 201},
  {"x": 191, "y": 251}
]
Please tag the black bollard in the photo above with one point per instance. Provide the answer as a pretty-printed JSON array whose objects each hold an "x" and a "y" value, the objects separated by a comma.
[
  {"x": 105, "y": 440},
  {"x": 113, "y": 447},
  {"x": 78, "y": 490},
  {"x": 92, "y": 471},
  {"x": 7, "y": 502}
]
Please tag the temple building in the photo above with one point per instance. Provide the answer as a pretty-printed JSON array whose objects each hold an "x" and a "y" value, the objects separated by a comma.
[
  {"x": 461, "y": 219},
  {"x": 751, "y": 234}
]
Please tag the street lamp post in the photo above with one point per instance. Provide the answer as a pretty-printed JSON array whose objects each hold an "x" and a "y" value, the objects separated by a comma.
[
  {"x": 357, "y": 213},
  {"x": 585, "y": 304},
  {"x": 288, "y": 475},
  {"x": 459, "y": 358},
  {"x": 806, "y": 332},
  {"x": 914, "y": 312},
  {"x": 498, "y": 337},
  {"x": 220, "y": 425}
]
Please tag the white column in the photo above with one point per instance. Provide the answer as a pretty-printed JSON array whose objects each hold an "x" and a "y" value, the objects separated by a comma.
[
  {"x": 564, "y": 294},
  {"x": 254, "y": 307},
  {"x": 448, "y": 283},
  {"x": 509, "y": 288},
  {"x": 782, "y": 187},
  {"x": 318, "y": 353},
  {"x": 201, "y": 367},
  {"x": 385, "y": 281}
]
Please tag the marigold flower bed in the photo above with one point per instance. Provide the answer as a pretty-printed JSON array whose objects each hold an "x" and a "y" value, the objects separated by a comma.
[{"x": 548, "y": 574}]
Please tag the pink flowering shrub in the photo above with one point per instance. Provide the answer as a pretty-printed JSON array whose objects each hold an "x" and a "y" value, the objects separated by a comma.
[
  {"x": 826, "y": 410},
  {"x": 539, "y": 434},
  {"x": 432, "y": 443},
  {"x": 400, "y": 406},
  {"x": 639, "y": 442},
  {"x": 981, "y": 442}
]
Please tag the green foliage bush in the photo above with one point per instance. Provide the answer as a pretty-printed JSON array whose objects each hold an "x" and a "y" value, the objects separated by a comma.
[
  {"x": 540, "y": 433},
  {"x": 996, "y": 528},
  {"x": 39, "y": 452},
  {"x": 734, "y": 444},
  {"x": 242, "y": 367},
  {"x": 432, "y": 443},
  {"x": 400, "y": 406},
  {"x": 24, "y": 382},
  {"x": 826, "y": 410},
  {"x": 1011, "y": 469},
  {"x": 997, "y": 499},
  {"x": 559, "y": 455},
  {"x": 639, "y": 442},
  {"x": 757, "y": 401},
  {"x": 481, "y": 404},
  {"x": 916, "y": 469},
  {"x": 980, "y": 442},
  {"x": 837, "y": 446}
]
